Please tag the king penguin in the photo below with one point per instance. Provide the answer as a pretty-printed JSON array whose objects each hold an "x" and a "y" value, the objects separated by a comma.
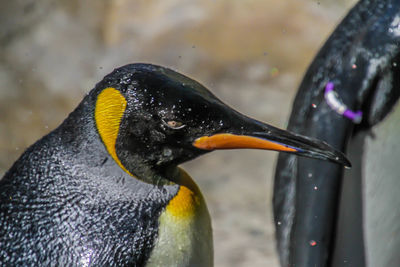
[
  {"x": 105, "y": 189},
  {"x": 325, "y": 216}
]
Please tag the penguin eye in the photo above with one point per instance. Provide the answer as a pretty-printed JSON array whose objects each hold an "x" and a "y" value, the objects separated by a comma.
[{"x": 173, "y": 124}]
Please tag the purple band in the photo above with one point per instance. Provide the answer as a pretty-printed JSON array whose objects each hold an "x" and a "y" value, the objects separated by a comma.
[
  {"x": 329, "y": 87},
  {"x": 337, "y": 105},
  {"x": 354, "y": 116}
]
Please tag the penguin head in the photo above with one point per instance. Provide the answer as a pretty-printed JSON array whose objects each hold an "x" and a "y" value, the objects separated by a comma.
[{"x": 149, "y": 115}]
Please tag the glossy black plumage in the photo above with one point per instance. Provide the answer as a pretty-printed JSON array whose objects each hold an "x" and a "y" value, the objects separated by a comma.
[{"x": 361, "y": 58}]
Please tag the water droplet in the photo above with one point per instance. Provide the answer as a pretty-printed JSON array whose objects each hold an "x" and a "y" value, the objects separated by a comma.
[
  {"x": 354, "y": 66},
  {"x": 315, "y": 188},
  {"x": 279, "y": 223},
  {"x": 310, "y": 175},
  {"x": 167, "y": 152},
  {"x": 394, "y": 64}
]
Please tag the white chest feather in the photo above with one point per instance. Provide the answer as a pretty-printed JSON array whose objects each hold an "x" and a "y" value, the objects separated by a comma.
[{"x": 185, "y": 234}]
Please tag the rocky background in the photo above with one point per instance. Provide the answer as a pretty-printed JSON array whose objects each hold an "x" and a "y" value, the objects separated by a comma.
[{"x": 250, "y": 53}]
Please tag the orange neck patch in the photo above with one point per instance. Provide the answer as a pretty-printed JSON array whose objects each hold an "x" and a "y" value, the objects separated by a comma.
[
  {"x": 184, "y": 204},
  {"x": 110, "y": 107},
  {"x": 187, "y": 200}
]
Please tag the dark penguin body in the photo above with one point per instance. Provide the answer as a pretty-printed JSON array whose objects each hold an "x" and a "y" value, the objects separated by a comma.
[
  {"x": 104, "y": 187},
  {"x": 318, "y": 213},
  {"x": 66, "y": 201}
]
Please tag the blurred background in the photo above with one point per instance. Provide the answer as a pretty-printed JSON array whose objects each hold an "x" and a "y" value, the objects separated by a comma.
[{"x": 250, "y": 53}]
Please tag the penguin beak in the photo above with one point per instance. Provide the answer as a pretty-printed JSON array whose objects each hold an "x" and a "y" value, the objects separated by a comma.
[{"x": 263, "y": 136}]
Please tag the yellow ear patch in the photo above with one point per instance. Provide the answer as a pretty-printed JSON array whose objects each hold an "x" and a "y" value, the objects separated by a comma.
[{"x": 110, "y": 107}]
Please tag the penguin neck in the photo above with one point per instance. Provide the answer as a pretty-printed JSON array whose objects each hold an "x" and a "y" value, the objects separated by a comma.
[
  {"x": 144, "y": 172},
  {"x": 138, "y": 169}
]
